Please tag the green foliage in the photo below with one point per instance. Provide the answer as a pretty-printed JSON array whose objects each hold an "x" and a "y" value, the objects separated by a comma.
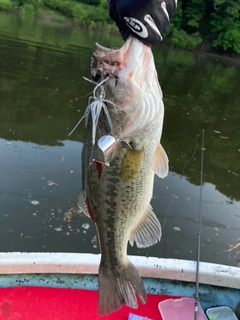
[
  {"x": 82, "y": 13},
  {"x": 194, "y": 13},
  {"x": 79, "y": 13},
  {"x": 98, "y": 15},
  {"x": 103, "y": 4},
  {"x": 15, "y": 4},
  {"x": 215, "y": 23},
  {"x": 27, "y": 9},
  {"x": 5, "y": 4},
  {"x": 181, "y": 39},
  {"x": 229, "y": 39},
  {"x": 63, "y": 6},
  {"x": 31, "y": 3},
  {"x": 225, "y": 25},
  {"x": 176, "y": 21},
  {"x": 56, "y": 16}
]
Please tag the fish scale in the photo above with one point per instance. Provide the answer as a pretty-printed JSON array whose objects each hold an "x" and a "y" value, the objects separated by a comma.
[{"x": 118, "y": 192}]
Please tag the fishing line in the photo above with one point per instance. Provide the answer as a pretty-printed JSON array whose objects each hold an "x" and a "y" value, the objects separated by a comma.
[
  {"x": 97, "y": 103},
  {"x": 92, "y": 97},
  {"x": 177, "y": 188},
  {"x": 196, "y": 305}
]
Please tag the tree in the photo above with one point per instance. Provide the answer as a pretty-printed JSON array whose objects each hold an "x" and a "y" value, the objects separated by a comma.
[
  {"x": 193, "y": 14},
  {"x": 225, "y": 24}
]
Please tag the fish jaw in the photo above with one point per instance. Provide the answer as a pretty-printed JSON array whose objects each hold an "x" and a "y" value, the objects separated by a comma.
[
  {"x": 134, "y": 57},
  {"x": 132, "y": 85}
]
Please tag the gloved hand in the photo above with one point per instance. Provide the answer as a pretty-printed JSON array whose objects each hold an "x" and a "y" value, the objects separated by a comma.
[{"x": 145, "y": 19}]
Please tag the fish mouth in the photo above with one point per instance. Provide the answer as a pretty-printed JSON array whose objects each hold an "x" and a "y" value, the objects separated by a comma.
[
  {"x": 129, "y": 85},
  {"x": 105, "y": 62},
  {"x": 131, "y": 57}
]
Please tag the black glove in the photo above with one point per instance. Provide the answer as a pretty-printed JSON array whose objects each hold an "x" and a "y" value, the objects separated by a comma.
[{"x": 145, "y": 19}]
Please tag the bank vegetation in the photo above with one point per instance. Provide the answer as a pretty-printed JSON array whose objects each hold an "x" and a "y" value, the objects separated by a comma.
[{"x": 203, "y": 24}]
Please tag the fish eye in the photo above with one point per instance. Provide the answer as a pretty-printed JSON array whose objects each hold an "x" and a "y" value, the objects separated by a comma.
[{"x": 96, "y": 75}]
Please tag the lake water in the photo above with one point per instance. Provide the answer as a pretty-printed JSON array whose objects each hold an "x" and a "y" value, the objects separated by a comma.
[{"x": 42, "y": 97}]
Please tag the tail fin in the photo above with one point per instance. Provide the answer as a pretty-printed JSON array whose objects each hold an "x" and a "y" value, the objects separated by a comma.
[{"x": 118, "y": 287}]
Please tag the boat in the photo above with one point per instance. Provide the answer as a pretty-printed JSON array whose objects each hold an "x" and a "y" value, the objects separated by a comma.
[{"x": 63, "y": 286}]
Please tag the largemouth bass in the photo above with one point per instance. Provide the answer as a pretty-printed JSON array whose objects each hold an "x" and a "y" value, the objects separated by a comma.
[{"x": 121, "y": 153}]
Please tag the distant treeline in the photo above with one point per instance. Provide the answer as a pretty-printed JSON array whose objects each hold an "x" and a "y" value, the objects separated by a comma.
[
  {"x": 208, "y": 24},
  {"x": 214, "y": 23}
]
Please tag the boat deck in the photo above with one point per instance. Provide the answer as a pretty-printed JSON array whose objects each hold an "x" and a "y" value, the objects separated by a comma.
[
  {"x": 38, "y": 303},
  {"x": 36, "y": 286}
]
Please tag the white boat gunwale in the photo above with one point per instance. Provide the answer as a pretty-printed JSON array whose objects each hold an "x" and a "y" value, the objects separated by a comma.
[
  {"x": 151, "y": 267},
  {"x": 219, "y": 285}
]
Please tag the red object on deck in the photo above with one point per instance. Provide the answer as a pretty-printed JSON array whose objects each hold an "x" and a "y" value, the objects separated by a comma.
[{"x": 38, "y": 303}]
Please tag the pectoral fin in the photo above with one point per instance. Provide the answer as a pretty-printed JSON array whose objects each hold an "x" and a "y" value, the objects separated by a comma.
[
  {"x": 160, "y": 162},
  {"x": 148, "y": 231}
]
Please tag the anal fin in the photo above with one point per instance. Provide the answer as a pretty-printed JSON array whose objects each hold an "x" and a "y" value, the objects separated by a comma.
[
  {"x": 148, "y": 231},
  {"x": 160, "y": 162}
]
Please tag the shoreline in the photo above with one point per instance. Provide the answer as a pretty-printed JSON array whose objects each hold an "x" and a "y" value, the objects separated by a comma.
[
  {"x": 47, "y": 16},
  {"x": 184, "y": 31}
]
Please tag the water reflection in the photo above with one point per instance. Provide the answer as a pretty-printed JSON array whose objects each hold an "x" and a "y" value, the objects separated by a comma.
[{"x": 43, "y": 95}]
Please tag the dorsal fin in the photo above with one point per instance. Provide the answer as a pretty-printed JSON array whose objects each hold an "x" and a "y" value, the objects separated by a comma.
[
  {"x": 148, "y": 231},
  {"x": 160, "y": 162}
]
